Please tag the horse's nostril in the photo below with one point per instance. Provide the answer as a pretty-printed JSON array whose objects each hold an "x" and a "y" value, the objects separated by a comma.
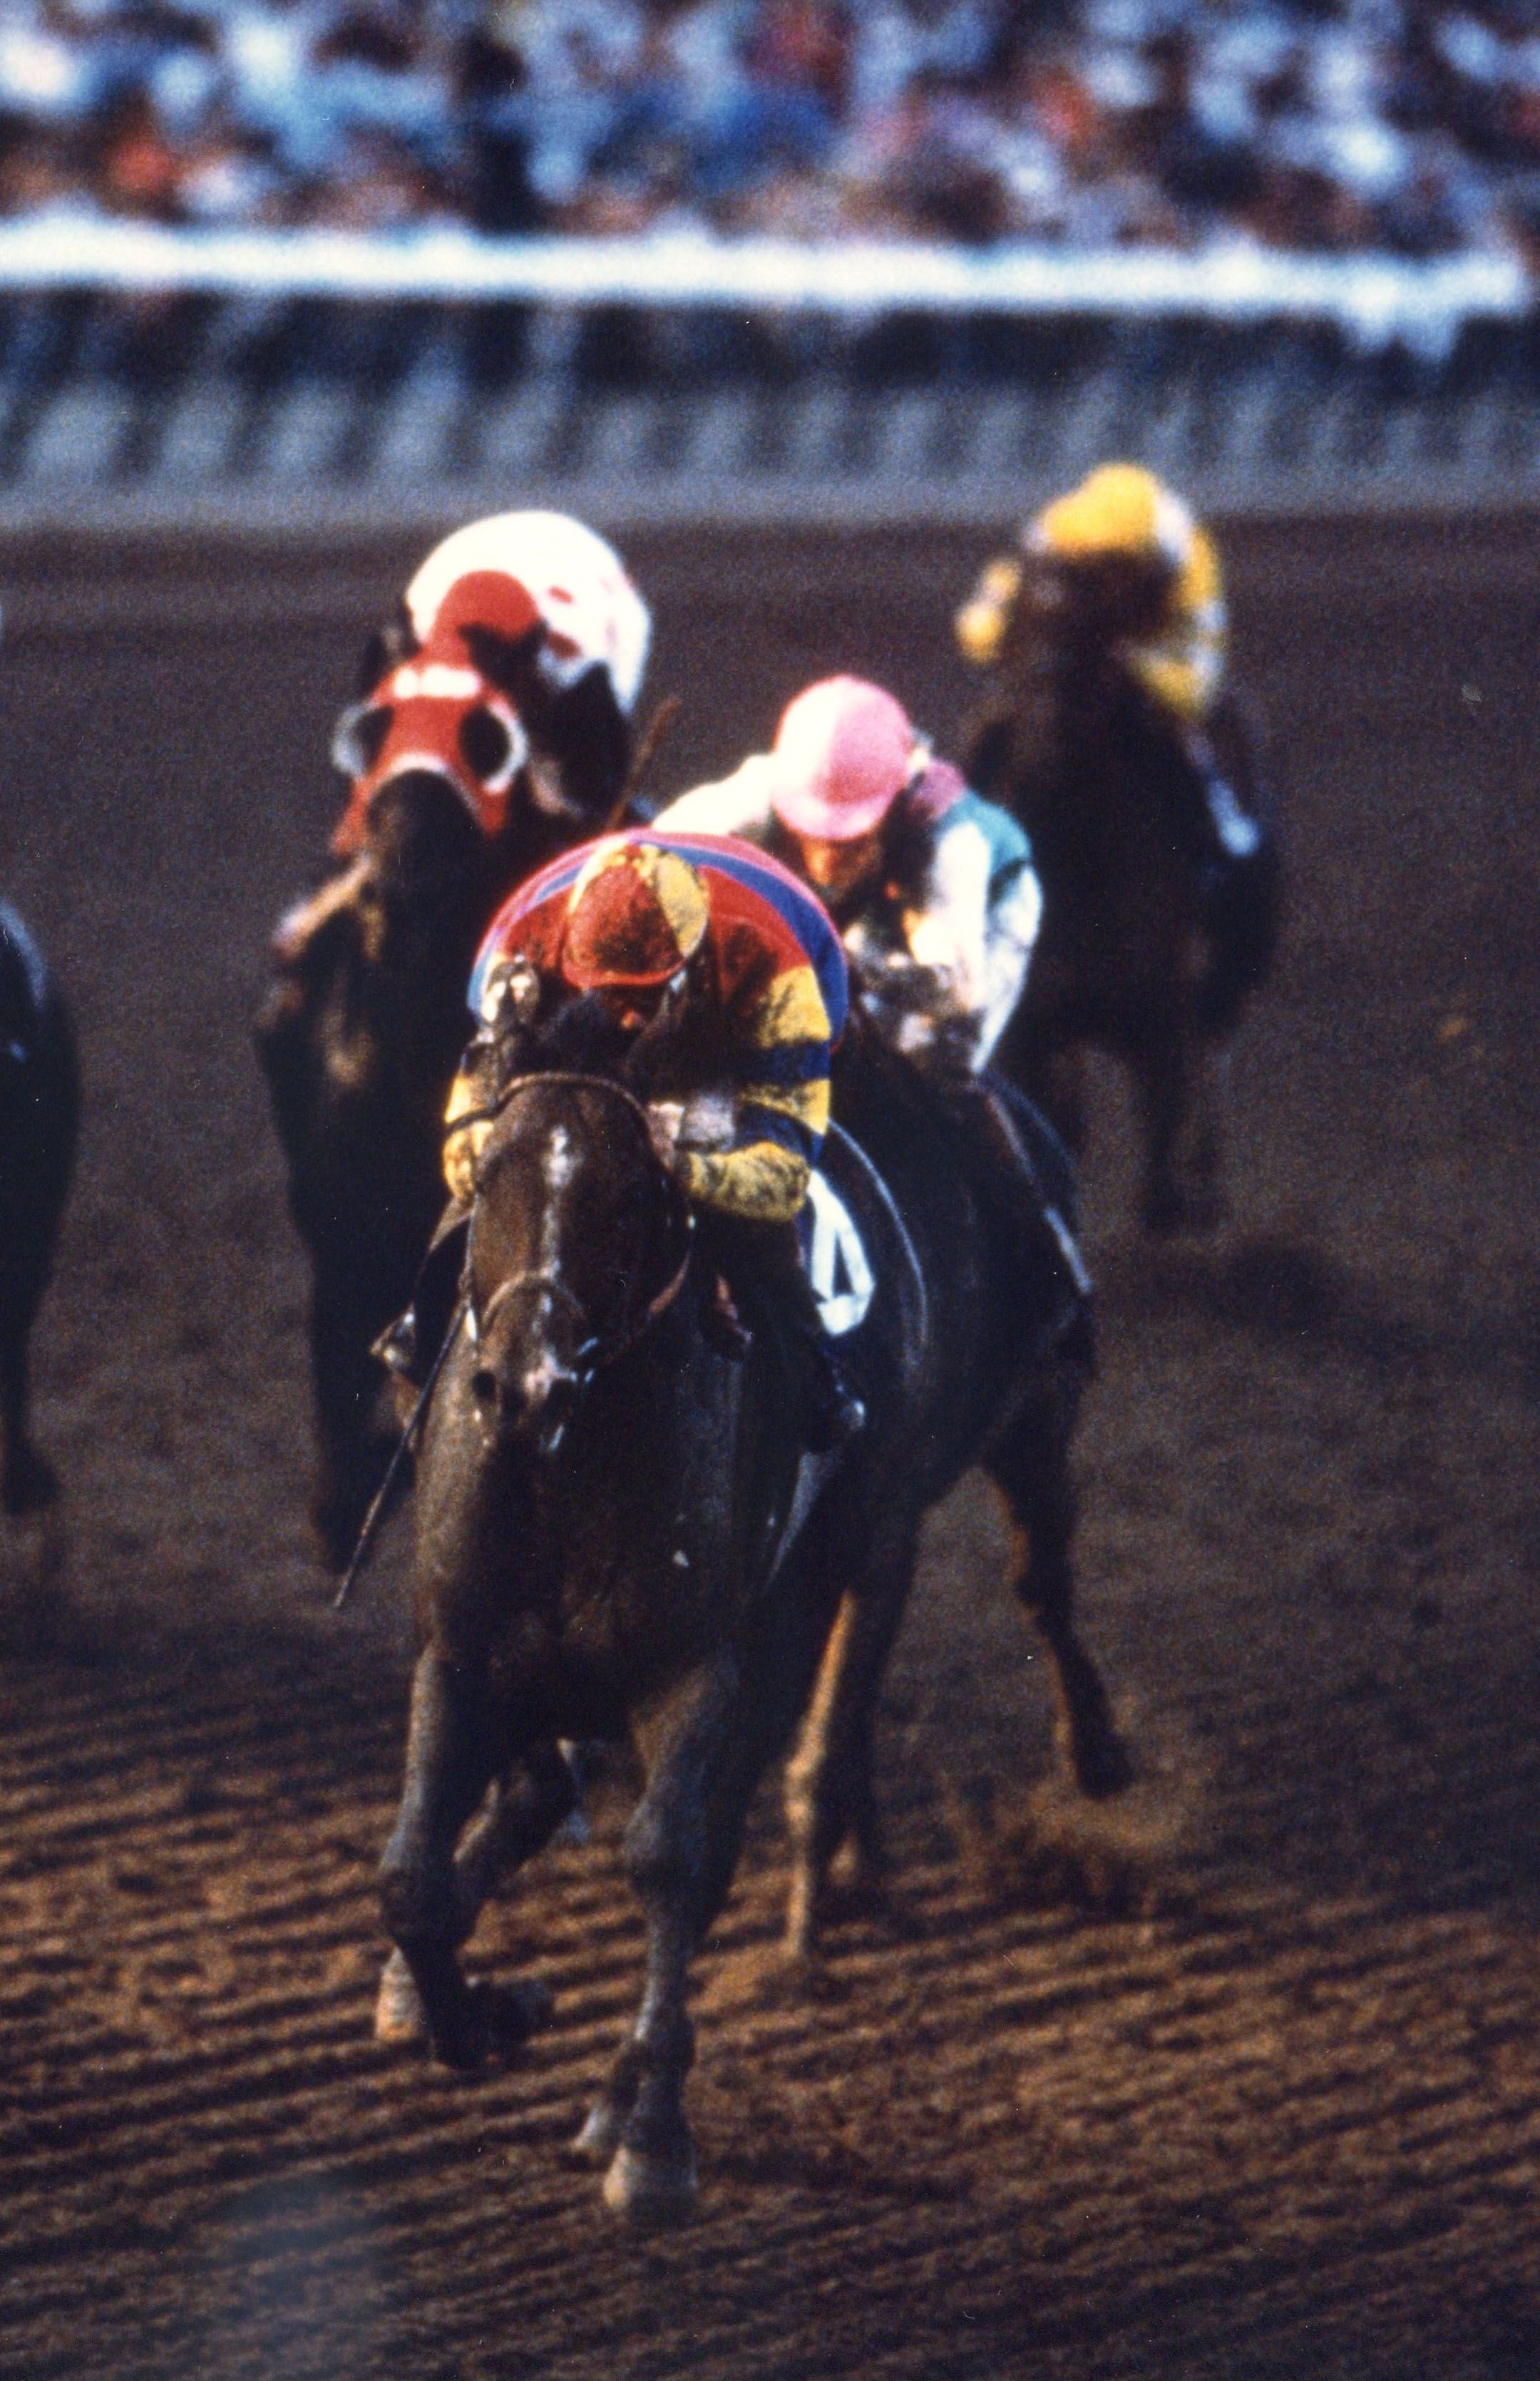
[{"x": 483, "y": 1392}]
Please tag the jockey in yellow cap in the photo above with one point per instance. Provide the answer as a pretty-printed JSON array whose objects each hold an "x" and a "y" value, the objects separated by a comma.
[{"x": 1155, "y": 576}]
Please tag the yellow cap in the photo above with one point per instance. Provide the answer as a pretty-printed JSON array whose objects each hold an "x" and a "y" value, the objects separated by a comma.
[{"x": 1121, "y": 508}]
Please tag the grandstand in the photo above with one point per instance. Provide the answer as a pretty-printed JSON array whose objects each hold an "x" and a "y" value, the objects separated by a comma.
[{"x": 749, "y": 257}]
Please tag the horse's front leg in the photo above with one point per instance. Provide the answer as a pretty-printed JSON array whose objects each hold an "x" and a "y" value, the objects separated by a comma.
[
  {"x": 638, "y": 2123},
  {"x": 517, "y": 1819},
  {"x": 452, "y": 1753},
  {"x": 27, "y": 1478}
]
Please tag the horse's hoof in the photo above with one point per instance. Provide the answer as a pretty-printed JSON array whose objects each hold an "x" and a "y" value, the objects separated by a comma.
[
  {"x": 495, "y": 2022},
  {"x": 1104, "y": 1769},
  {"x": 30, "y": 1485},
  {"x": 598, "y": 2138},
  {"x": 648, "y": 2190},
  {"x": 1170, "y": 1212},
  {"x": 1095, "y": 1757},
  {"x": 510, "y": 2013},
  {"x": 399, "y": 2016}
]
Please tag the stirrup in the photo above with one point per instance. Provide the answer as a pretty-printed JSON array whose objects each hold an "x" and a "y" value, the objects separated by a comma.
[{"x": 832, "y": 1411}]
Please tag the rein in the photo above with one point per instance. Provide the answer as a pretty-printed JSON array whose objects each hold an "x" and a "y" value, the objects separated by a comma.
[{"x": 595, "y": 1352}]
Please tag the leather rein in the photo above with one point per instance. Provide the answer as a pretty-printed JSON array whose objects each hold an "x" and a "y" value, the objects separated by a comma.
[{"x": 595, "y": 1352}]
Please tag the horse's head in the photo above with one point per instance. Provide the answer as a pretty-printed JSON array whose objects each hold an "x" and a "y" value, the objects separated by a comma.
[
  {"x": 1074, "y": 608},
  {"x": 578, "y": 1239},
  {"x": 534, "y": 754}
]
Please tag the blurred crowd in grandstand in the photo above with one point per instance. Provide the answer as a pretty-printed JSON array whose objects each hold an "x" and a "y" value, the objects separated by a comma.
[{"x": 1398, "y": 124}]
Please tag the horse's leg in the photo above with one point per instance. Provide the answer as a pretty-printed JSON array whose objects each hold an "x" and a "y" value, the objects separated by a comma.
[
  {"x": 1031, "y": 1468},
  {"x": 638, "y": 2122},
  {"x": 451, "y": 1755},
  {"x": 1177, "y": 1096},
  {"x": 517, "y": 1819},
  {"x": 27, "y": 1478},
  {"x": 829, "y": 1791}
]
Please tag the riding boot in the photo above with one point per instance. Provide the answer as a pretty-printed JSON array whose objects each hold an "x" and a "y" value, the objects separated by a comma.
[
  {"x": 764, "y": 1269},
  {"x": 409, "y": 1346}
]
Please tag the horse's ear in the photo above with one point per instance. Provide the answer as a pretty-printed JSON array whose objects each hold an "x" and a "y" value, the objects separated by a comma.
[
  {"x": 506, "y": 663},
  {"x": 393, "y": 642},
  {"x": 591, "y": 739}
]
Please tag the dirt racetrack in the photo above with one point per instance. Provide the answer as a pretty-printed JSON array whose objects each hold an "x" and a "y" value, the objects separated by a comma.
[{"x": 1243, "y": 2083}]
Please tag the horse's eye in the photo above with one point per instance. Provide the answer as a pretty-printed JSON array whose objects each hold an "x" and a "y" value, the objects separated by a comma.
[
  {"x": 486, "y": 745},
  {"x": 359, "y": 738}
]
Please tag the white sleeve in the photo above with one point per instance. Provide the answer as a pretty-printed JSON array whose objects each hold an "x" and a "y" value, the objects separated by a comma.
[
  {"x": 735, "y": 805},
  {"x": 980, "y": 949}
]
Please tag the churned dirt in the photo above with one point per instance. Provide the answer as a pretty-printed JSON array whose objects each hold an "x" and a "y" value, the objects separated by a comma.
[{"x": 1241, "y": 2080}]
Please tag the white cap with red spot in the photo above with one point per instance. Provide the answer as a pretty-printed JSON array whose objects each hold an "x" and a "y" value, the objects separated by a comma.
[{"x": 578, "y": 585}]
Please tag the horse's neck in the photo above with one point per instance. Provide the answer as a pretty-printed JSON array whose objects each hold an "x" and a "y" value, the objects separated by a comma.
[{"x": 1080, "y": 759}]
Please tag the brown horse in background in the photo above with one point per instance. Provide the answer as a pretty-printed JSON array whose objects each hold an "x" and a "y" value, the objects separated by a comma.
[
  {"x": 1150, "y": 945},
  {"x": 364, "y": 1019}
]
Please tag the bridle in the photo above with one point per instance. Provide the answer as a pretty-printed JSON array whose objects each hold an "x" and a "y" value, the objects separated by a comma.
[{"x": 595, "y": 1351}]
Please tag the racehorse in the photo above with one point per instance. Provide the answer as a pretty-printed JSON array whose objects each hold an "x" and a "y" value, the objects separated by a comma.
[
  {"x": 40, "y": 1115},
  {"x": 619, "y": 1536},
  {"x": 1150, "y": 942},
  {"x": 363, "y": 1021}
]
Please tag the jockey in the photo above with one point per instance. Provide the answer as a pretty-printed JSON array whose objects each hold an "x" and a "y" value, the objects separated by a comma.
[
  {"x": 932, "y": 889},
  {"x": 525, "y": 620},
  {"x": 736, "y": 977},
  {"x": 1127, "y": 548},
  {"x": 935, "y": 895}
]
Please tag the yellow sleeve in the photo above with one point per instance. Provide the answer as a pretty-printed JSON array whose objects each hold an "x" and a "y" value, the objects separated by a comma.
[
  {"x": 980, "y": 626},
  {"x": 762, "y": 1182},
  {"x": 461, "y": 1150},
  {"x": 1183, "y": 664}
]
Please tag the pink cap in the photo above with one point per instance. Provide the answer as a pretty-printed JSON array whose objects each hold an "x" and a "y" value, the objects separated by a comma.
[{"x": 843, "y": 754}]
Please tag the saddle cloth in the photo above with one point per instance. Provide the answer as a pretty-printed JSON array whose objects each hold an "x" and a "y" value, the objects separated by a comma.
[{"x": 835, "y": 1258}]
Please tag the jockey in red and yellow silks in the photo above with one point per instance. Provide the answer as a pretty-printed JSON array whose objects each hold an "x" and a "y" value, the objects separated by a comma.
[
  {"x": 640, "y": 909},
  {"x": 736, "y": 973}
]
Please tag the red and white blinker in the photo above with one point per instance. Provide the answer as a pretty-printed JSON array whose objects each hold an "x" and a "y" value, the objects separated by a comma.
[{"x": 437, "y": 711}]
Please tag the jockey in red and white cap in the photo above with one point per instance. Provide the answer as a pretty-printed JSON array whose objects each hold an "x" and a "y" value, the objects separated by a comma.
[
  {"x": 510, "y": 625},
  {"x": 923, "y": 877}
]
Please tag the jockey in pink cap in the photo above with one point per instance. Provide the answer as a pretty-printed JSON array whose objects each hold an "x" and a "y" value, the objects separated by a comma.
[
  {"x": 938, "y": 905},
  {"x": 932, "y": 889}
]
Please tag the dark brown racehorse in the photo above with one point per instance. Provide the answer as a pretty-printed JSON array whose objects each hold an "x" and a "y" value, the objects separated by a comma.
[
  {"x": 1153, "y": 937},
  {"x": 364, "y": 1019},
  {"x": 40, "y": 1115},
  {"x": 619, "y": 1536}
]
